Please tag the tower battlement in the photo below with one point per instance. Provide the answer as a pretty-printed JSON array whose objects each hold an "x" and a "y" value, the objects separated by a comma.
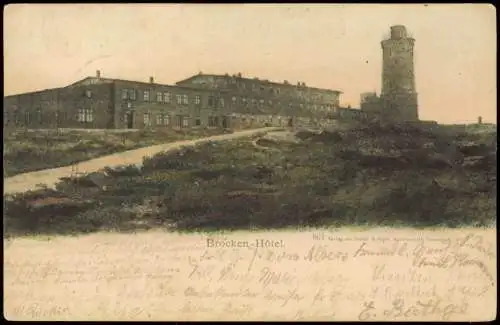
[{"x": 398, "y": 32}]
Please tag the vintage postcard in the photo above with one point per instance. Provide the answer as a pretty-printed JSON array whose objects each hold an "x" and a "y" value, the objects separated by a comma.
[{"x": 250, "y": 162}]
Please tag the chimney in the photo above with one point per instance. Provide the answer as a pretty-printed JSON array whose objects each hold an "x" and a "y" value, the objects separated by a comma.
[
  {"x": 480, "y": 120},
  {"x": 98, "y": 74},
  {"x": 151, "y": 80}
]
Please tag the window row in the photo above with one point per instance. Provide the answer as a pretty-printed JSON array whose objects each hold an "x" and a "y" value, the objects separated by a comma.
[
  {"x": 84, "y": 115},
  {"x": 161, "y": 97},
  {"x": 213, "y": 101},
  {"x": 255, "y": 87},
  {"x": 261, "y": 102},
  {"x": 163, "y": 119}
]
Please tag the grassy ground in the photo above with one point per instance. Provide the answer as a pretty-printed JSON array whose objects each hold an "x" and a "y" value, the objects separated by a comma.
[
  {"x": 366, "y": 176},
  {"x": 32, "y": 150}
]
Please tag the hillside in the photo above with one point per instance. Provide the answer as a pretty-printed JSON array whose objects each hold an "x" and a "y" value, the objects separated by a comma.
[{"x": 369, "y": 175}]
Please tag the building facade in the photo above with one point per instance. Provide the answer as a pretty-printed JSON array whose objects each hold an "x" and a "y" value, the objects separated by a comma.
[
  {"x": 199, "y": 101},
  {"x": 256, "y": 96}
]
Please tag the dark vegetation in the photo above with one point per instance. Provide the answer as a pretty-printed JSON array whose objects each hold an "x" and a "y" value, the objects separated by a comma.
[
  {"x": 370, "y": 175},
  {"x": 32, "y": 150}
]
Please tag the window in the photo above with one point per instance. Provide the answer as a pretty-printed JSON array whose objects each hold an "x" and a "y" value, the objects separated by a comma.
[
  {"x": 254, "y": 101},
  {"x": 89, "y": 116},
  {"x": 27, "y": 117},
  {"x": 159, "y": 97},
  {"x": 129, "y": 105},
  {"x": 146, "y": 95},
  {"x": 198, "y": 122},
  {"x": 211, "y": 101},
  {"x": 159, "y": 119},
  {"x": 185, "y": 122},
  {"x": 166, "y": 97},
  {"x": 131, "y": 94},
  {"x": 147, "y": 119},
  {"x": 221, "y": 101},
  {"x": 16, "y": 117},
  {"x": 185, "y": 99},
  {"x": 88, "y": 93},
  {"x": 197, "y": 99},
  {"x": 261, "y": 102},
  {"x": 81, "y": 115},
  {"x": 85, "y": 115},
  {"x": 244, "y": 100},
  {"x": 234, "y": 100},
  {"x": 301, "y": 105},
  {"x": 212, "y": 121},
  {"x": 269, "y": 102},
  {"x": 124, "y": 94},
  {"x": 179, "y": 99},
  {"x": 166, "y": 119}
]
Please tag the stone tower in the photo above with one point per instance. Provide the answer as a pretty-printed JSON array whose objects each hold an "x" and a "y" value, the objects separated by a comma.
[{"x": 398, "y": 96}]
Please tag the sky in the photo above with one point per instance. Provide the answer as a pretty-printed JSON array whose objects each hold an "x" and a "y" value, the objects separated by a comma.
[{"x": 324, "y": 45}]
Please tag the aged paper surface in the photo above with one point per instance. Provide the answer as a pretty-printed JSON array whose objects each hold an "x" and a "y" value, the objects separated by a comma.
[
  {"x": 145, "y": 145},
  {"x": 387, "y": 274}
]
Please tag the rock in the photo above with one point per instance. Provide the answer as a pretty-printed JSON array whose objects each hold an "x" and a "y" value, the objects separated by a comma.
[
  {"x": 243, "y": 193},
  {"x": 130, "y": 170},
  {"x": 263, "y": 172},
  {"x": 100, "y": 180},
  {"x": 53, "y": 201},
  {"x": 480, "y": 162},
  {"x": 428, "y": 158},
  {"x": 386, "y": 162},
  {"x": 266, "y": 143},
  {"x": 475, "y": 150}
]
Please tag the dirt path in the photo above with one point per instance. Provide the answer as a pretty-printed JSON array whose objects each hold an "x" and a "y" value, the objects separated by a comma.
[{"x": 49, "y": 177}]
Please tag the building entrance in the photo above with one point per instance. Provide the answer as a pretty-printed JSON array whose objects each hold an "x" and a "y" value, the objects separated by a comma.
[{"x": 129, "y": 119}]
